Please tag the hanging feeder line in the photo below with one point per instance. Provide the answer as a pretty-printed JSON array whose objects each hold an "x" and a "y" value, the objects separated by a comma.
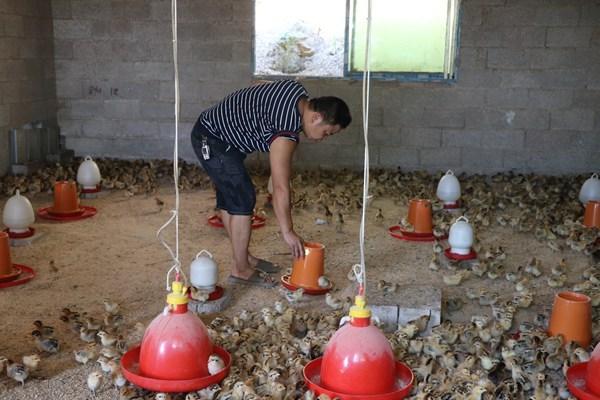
[
  {"x": 360, "y": 269},
  {"x": 175, "y": 212}
]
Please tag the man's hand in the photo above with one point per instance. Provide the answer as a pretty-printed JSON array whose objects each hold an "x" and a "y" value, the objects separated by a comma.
[{"x": 296, "y": 244}]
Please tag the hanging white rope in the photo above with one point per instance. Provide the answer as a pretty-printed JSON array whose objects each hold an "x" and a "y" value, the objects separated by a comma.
[
  {"x": 175, "y": 212},
  {"x": 360, "y": 270}
]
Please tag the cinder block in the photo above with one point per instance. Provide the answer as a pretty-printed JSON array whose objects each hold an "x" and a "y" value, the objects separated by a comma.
[
  {"x": 147, "y": 129},
  {"x": 153, "y": 71},
  {"x": 121, "y": 109},
  {"x": 590, "y": 14},
  {"x": 563, "y": 78},
  {"x": 387, "y": 316},
  {"x": 61, "y": 9},
  {"x": 461, "y": 138},
  {"x": 443, "y": 158},
  {"x": 85, "y": 108},
  {"x": 443, "y": 118},
  {"x": 546, "y": 58},
  {"x": 99, "y": 127},
  {"x": 522, "y": 36},
  {"x": 519, "y": 79},
  {"x": 551, "y": 99},
  {"x": 503, "y": 139},
  {"x": 213, "y": 306},
  {"x": 72, "y": 29},
  {"x": 550, "y": 141},
  {"x": 421, "y": 137},
  {"x": 27, "y": 241},
  {"x": 569, "y": 37},
  {"x": 509, "y": 16},
  {"x": 515, "y": 160},
  {"x": 511, "y": 98},
  {"x": 555, "y": 16},
  {"x": 90, "y": 9},
  {"x": 481, "y": 160},
  {"x": 507, "y": 58},
  {"x": 472, "y": 57},
  {"x": 399, "y": 156},
  {"x": 479, "y": 78},
  {"x": 575, "y": 119},
  {"x": 475, "y": 36}
]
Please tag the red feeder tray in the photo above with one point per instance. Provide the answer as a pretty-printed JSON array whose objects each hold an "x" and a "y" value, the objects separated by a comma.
[
  {"x": 285, "y": 281},
  {"x": 82, "y": 213},
  {"x": 131, "y": 371},
  {"x": 21, "y": 274},
  {"x": 399, "y": 233},
  {"x": 20, "y": 235},
  {"x": 576, "y": 382},
  {"x": 404, "y": 382},
  {"x": 460, "y": 257},
  {"x": 97, "y": 189},
  {"x": 217, "y": 222}
]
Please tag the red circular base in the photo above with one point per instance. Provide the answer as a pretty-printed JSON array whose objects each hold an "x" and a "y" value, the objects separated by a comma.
[
  {"x": 285, "y": 281},
  {"x": 404, "y": 382},
  {"x": 460, "y": 257},
  {"x": 576, "y": 382},
  {"x": 82, "y": 213},
  {"x": 452, "y": 206},
  {"x": 217, "y": 222},
  {"x": 214, "y": 295},
  {"x": 131, "y": 371},
  {"x": 21, "y": 274},
  {"x": 22, "y": 235},
  {"x": 96, "y": 190},
  {"x": 399, "y": 233}
]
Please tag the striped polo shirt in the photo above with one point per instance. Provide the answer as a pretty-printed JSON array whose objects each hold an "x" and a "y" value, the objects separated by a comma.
[{"x": 251, "y": 118}]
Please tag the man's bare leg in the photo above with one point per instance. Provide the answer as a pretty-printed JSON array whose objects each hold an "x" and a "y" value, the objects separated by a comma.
[
  {"x": 238, "y": 229},
  {"x": 225, "y": 217}
]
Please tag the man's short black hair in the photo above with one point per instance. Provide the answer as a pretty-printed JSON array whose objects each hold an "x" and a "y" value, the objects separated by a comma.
[{"x": 334, "y": 110}]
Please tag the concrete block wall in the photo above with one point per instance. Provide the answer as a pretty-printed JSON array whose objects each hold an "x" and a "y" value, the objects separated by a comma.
[
  {"x": 27, "y": 90},
  {"x": 527, "y": 97}
]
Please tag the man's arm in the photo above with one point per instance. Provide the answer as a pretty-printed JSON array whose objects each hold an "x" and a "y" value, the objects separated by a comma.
[{"x": 280, "y": 157}]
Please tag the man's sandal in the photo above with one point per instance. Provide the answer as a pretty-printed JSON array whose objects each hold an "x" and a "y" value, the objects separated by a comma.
[
  {"x": 267, "y": 267},
  {"x": 256, "y": 279}
]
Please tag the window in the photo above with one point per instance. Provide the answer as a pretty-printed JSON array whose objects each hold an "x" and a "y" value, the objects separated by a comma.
[{"x": 410, "y": 39}]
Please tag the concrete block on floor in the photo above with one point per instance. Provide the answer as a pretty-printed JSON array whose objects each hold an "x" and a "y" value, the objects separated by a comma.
[
  {"x": 27, "y": 241},
  {"x": 210, "y": 307},
  {"x": 411, "y": 302}
]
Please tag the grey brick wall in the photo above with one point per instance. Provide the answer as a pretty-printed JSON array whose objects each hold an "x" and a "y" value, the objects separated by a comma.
[
  {"x": 27, "y": 89},
  {"x": 527, "y": 97}
]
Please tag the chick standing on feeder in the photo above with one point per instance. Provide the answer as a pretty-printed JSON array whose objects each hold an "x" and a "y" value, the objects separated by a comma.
[{"x": 215, "y": 364}]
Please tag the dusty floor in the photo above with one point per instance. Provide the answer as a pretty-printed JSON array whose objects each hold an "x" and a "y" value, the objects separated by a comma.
[{"x": 116, "y": 255}]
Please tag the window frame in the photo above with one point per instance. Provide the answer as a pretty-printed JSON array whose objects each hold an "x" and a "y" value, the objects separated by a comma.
[{"x": 411, "y": 77}]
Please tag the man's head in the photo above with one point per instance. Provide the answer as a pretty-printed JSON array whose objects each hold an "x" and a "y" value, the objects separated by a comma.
[{"x": 325, "y": 116}]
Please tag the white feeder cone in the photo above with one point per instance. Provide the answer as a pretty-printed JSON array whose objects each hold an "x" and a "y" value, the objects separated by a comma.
[
  {"x": 461, "y": 237},
  {"x": 18, "y": 214},
  {"x": 448, "y": 189},
  {"x": 88, "y": 174},
  {"x": 590, "y": 190}
]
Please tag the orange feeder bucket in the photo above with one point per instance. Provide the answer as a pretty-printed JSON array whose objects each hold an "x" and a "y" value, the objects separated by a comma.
[
  {"x": 6, "y": 266},
  {"x": 307, "y": 270},
  {"x": 359, "y": 363},
  {"x": 173, "y": 356},
  {"x": 420, "y": 217},
  {"x": 591, "y": 218},
  {"x": 66, "y": 205},
  {"x": 572, "y": 318},
  {"x": 11, "y": 274}
]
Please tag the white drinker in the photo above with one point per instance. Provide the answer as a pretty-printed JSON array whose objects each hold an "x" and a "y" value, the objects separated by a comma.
[
  {"x": 18, "y": 213},
  {"x": 448, "y": 189},
  {"x": 88, "y": 174},
  {"x": 204, "y": 272},
  {"x": 590, "y": 190},
  {"x": 461, "y": 236}
]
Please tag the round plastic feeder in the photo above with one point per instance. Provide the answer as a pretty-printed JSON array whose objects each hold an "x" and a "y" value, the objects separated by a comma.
[
  {"x": 173, "y": 356},
  {"x": 11, "y": 274},
  {"x": 66, "y": 205},
  {"x": 358, "y": 363},
  {"x": 583, "y": 379}
]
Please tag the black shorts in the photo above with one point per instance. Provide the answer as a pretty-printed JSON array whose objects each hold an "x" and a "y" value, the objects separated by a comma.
[{"x": 225, "y": 167}]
